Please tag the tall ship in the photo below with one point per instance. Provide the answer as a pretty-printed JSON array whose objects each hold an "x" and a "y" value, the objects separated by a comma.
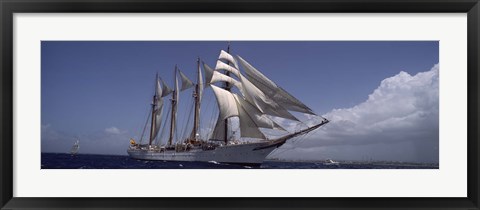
[{"x": 246, "y": 124}]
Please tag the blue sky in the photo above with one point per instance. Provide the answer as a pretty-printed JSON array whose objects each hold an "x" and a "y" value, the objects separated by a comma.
[{"x": 88, "y": 87}]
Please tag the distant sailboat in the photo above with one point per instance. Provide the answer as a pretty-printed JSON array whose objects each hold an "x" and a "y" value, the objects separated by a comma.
[
  {"x": 75, "y": 147},
  {"x": 255, "y": 104}
]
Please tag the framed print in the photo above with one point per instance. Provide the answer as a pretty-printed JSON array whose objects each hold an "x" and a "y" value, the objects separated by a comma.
[{"x": 239, "y": 105}]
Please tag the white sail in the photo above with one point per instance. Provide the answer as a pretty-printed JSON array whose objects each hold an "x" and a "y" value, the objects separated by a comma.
[
  {"x": 200, "y": 83},
  {"x": 186, "y": 83},
  {"x": 158, "y": 87},
  {"x": 252, "y": 119},
  {"x": 157, "y": 110},
  {"x": 229, "y": 58},
  {"x": 227, "y": 107},
  {"x": 177, "y": 95},
  {"x": 219, "y": 77},
  {"x": 272, "y": 90},
  {"x": 165, "y": 89},
  {"x": 226, "y": 103},
  {"x": 219, "y": 130},
  {"x": 248, "y": 127},
  {"x": 208, "y": 73},
  {"x": 173, "y": 120},
  {"x": 198, "y": 94},
  {"x": 257, "y": 117},
  {"x": 223, "y": 66},
  {"x": 158, "y": 118}
]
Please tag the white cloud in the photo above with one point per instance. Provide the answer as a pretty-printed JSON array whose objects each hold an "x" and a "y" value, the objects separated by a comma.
[
  {"x": 114, "y": 130},
  {"x": 401, "y": 114}
]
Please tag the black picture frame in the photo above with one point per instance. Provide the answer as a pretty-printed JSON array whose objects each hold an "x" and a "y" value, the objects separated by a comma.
[{"x": 9, "y": 7}]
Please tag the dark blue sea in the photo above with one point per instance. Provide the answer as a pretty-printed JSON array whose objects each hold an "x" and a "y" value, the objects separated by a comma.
[{"x": 89, "y": 161}]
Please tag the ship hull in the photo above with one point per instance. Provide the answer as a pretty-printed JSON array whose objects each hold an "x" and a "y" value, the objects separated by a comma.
[{"x": 244, "y": 154}]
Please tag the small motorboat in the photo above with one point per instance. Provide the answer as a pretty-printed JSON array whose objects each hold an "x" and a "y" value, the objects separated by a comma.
[{"x": 330, "y": 162}]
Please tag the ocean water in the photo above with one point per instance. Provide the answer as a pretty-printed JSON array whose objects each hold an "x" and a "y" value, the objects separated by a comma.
[{"x": 88, "y": 161}]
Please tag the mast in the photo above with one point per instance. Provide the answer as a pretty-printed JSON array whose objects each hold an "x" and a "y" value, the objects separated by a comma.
[
  {"x": 174, "y": 107},
  {"x": 152, "y": 124},
  {"x": 196, "y": 95},
  {"x": 228, "y": 88}
]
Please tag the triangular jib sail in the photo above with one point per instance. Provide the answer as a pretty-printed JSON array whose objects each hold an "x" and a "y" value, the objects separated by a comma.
[{"x": 186, "y": 83}]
